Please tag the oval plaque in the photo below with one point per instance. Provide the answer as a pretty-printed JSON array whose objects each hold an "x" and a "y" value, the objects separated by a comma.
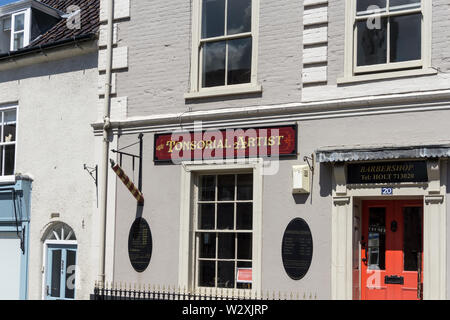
[
  {"x": 297, "y": 249},
  {"x": 140, "y": 245}
]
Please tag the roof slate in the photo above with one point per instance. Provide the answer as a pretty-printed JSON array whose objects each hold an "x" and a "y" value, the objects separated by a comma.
[{"x": 90, "y": 11}]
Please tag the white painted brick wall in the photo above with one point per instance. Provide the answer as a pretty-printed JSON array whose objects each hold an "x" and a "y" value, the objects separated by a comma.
[
  {"x": 159, "y": 37},
  {"x": 121, "y": 9},
  {"x": 315, "y": 35},
  {"x": 315, "y": 15},
  {"x": 103, "y": 34},
  {"x": 120, "y": 59},
  {"x": 335, "y": 70}
]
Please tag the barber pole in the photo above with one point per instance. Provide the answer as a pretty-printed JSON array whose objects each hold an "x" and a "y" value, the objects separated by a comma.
[{"x": 127, "y": 182}]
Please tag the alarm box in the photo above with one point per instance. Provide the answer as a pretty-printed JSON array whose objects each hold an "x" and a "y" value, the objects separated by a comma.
[{"x": 301, "y": 176}]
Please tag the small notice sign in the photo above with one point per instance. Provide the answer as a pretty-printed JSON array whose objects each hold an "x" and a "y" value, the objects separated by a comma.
[{"x": 244, "y": 275}]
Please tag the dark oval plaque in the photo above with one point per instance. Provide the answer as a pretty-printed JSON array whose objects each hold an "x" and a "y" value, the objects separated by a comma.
[
  {"x": 297, "y": 249},
  {"x": 140, "y": 245}
]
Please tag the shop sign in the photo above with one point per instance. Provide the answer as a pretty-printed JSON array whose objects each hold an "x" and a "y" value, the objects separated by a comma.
[
  {"x": 244, "y": 275},
  {"x": 226, "y": 144},
  {"x": 387, "y": 172}
]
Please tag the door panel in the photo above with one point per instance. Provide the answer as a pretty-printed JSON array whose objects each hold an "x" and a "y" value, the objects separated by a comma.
[{"x": 391, "y": 250}]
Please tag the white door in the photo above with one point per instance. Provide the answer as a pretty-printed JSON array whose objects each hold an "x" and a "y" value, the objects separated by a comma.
[{"x": 10, "y": 267}]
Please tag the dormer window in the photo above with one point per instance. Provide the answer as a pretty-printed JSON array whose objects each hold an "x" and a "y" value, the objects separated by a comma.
[{"x": 24, "y": 21}]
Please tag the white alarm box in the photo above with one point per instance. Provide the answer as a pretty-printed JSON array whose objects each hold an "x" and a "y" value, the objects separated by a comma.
[{"x": 301, "y": 179}]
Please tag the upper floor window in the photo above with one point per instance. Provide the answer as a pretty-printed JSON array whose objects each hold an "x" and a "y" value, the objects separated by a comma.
[
  {"x": 389, "y": 35},
  {"x": 224, "y": 45},
  {"x": 15, "y": 32},
  {"x": 8, "y": 141}
]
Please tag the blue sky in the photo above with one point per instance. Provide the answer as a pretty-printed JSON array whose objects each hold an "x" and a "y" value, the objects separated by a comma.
[{"x": 2, "y": 2}]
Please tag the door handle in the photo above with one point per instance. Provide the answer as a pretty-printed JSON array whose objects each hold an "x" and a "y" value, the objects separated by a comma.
[
  {"x": 48, "y": 290},
  {"x": 365, "y": 259}
]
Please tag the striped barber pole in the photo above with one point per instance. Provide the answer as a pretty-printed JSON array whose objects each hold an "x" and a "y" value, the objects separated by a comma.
[{"x": 127, "y": 182}]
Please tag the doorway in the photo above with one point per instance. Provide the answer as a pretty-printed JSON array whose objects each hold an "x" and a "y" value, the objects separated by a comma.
[{"x": 392, "y": 250}]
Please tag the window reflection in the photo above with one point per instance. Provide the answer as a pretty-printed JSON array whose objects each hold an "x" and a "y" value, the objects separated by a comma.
[
  {"x": 412, "y": 238},
  {"x": 406, "y": 38},
  {"x": 377, "y": 239}
]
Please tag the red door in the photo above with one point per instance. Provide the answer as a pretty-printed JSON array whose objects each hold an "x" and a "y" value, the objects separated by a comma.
[{"x": 391, "y": 250}]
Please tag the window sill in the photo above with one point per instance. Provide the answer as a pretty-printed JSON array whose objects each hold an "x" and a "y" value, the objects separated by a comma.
[
  {"x": 224, "y": 91},
  {"x": 386, "y": 75},
  {"x": 7, "y": 179}
]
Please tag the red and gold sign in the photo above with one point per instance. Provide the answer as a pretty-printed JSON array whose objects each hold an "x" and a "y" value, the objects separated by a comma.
[{"x": 226, "y": 144}]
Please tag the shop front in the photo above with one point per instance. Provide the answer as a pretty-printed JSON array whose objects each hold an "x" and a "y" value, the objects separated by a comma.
[
  {"x": 14, "y": 240},
  {"x": 267, "y": 209},
  {"x": 388, "y": 222}
]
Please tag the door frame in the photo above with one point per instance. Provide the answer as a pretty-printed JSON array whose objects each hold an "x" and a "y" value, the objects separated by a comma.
[
  {"x": 346, "y": 196},
  {"x": 63, "y": 244}
]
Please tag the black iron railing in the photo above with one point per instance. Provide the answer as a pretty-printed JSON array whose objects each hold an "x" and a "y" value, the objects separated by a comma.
[{"x": 140, "y": 292}]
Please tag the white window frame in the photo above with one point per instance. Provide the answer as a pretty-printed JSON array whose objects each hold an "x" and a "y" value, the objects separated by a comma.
[
  {"x": 196, "y": 91},
  {"x": 48, "y": 241},
  {"x": 26, "y": 28},
  {"x": 351, "y": 70},
  {"x": 8, "y": 178},
  {"x": 187, "y": 250}
]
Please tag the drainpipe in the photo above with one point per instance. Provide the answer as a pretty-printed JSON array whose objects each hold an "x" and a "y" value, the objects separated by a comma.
[{"x": 106, "y": 132}]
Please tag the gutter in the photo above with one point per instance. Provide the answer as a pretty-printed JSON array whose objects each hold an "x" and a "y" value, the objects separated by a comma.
[{"x": 52, "y": 45}]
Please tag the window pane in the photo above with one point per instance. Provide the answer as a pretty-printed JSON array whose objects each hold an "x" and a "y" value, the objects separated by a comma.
[
  {"x": 225, "y": 187},
  {"x": 225, "y": 274},
  {"x": 10, "y": 152},
  {"x": 225, "y": 216},
  {"x": 206, "y": 213},
  {"x": 244, "y": 213},
  {"x": 239, "y": 16},
  {"x": 395, "y": 5},
  {"x": 1, "y": 160},
  {"x": 245, "y": 187},
  {"x": 239, "y": 60},
  {"x": 213, "y": 64},
  {"x": 10, "y": 133},
  {"x": 377, "y": 238},
  {"x": 18, "y": 41},
  {"x": 7, "y": 24},
  {"x": 244, "y": 246},
  {"x": 406, "y": 38},
  {"x": 207, "y": 245},
  {"x": 19, "y": 22},
  {"x": 369, "y": 6},
  {"x": 55, "y": 290},
  {"x": 206, "y": 274},
  {"x": 207, "y": 188},
  {"x": 70, "y": 274},
  {"x": 213, "y": 18},
  {"x": 372, "y": 43},
  {"x": 412, "y": 238},
  {"x": 226, "y": 246}
]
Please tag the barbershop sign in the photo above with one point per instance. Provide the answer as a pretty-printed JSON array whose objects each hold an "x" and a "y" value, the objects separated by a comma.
[
  {"x": 387, "y": 172},
  {"x": 226, "y": 144}
]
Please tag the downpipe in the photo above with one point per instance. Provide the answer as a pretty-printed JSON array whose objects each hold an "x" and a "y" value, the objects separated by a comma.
[{"x": 106, "y": 135}]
